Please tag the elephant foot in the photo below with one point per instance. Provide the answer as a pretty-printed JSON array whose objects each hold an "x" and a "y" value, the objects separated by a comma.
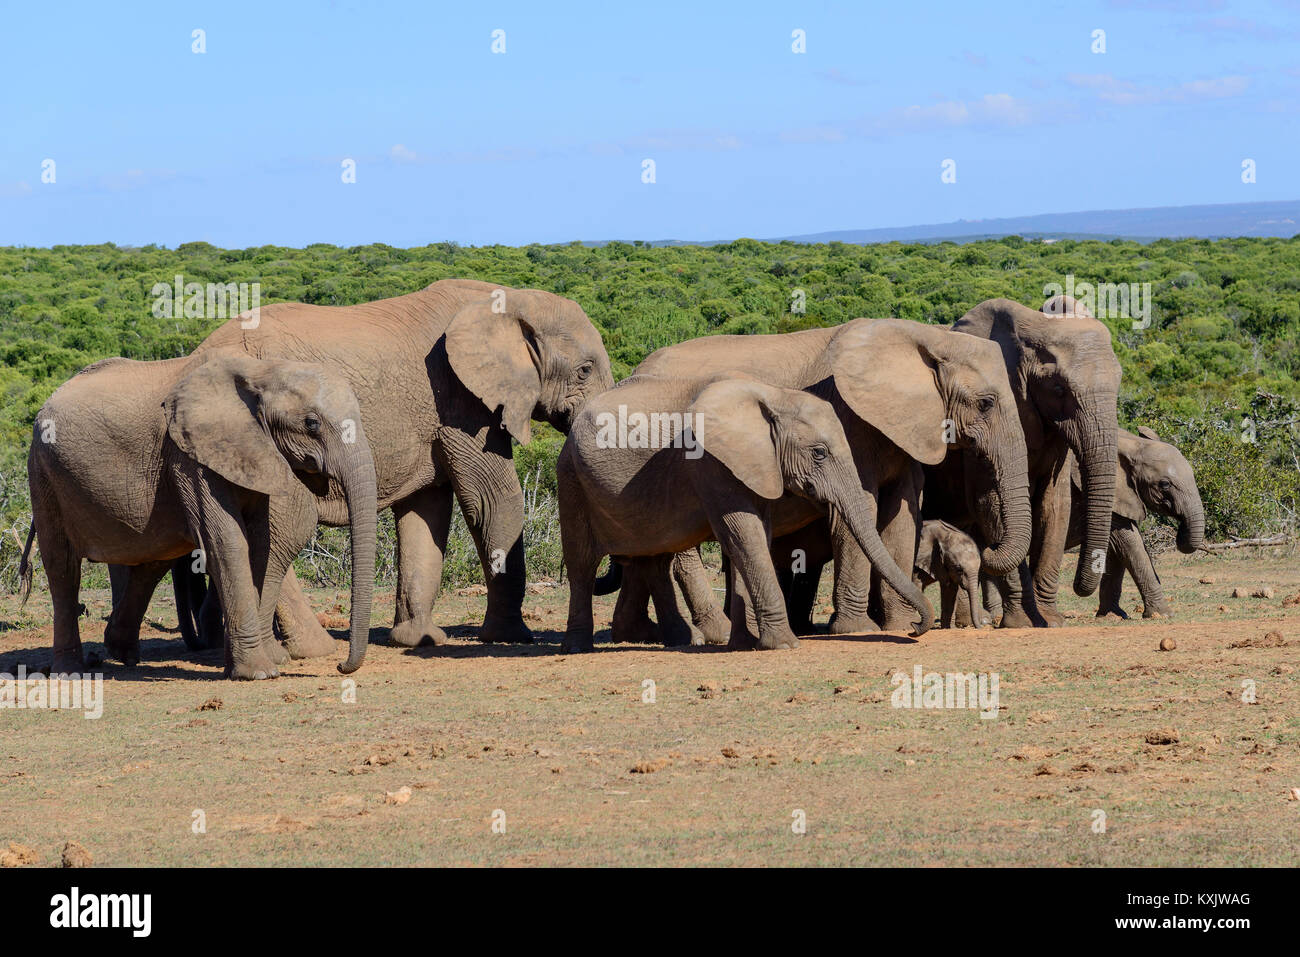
[
  {"x": 255, "y": 666},
  {"x": 125, "y": 649},
  {"x": 715, "y": 628},
  {"x": 1050, "y": 616},
  {"x": 577, "y": 644},
  {"x": 854, "y": 624},
  {"x": 675, "y": 633},
  {"x": 1108, "y": 612},
  {"x": 1014, "y": 616},
  {"x": 639, "y": 630},
  {"x": 275, "y": 651},
  {"x": 305, "y": 639},
  {"x": 414, "y": 633},
  {"x": 771, "y": 639},
  {"x": 1155, "y": 613},
  {"x": 505, "y": 631}
]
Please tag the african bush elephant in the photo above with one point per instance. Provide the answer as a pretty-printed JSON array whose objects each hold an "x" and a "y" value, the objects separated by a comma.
[
  {"x": 1153, "y": 475},
  {"x": 728, "y": 458},
  {"x": 1065, "y": 377},
  {"x": 137, "y": 463},
  {"x": 905, "y": 392},
  {"x": 446, "y": 378},
  {"x": 947, "y": 555}
]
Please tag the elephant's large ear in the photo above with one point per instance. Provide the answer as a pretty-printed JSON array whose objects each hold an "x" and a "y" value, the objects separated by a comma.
[
  {"x": 214, "y": 416},
  {"x": 1005, "y": 322},
  {"x": 1148, "y": 434},
  {"x": 1128, "y": 500},
  {"x": 890, "y": 380},
  {"x": 733, "y": 421},
  {"x": 494, "y": 356}
]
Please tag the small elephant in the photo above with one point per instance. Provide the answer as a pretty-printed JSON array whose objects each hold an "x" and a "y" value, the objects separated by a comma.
[
  {"x": 949, "y": 556},
  {"x": 138, "y": 463},
  {"x": 1152, "y": 476},
  {"x": 724, "y": 457}
]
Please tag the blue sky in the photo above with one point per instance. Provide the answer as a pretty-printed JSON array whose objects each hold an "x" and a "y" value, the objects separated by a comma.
[{"x": 243, "y": 144}]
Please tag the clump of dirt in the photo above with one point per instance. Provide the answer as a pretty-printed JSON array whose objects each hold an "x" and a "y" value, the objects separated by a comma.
[
  {"x": 19, "y": 855},
  {"x": 1167, "y": 643},
  {"x": 1272, "y": 639},
  {"x": 212, "y": 704},
  {"x": 649, "y": 767},
  {"x": 76, "y": 855},
  {"x": 1163, "y": 736}
]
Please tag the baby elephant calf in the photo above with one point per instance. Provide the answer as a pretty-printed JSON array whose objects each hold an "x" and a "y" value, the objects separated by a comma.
[{"x": 949, "y": 556}]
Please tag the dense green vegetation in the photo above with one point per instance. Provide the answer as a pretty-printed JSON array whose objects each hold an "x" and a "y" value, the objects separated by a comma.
[{"x": 1221, "y": 348}]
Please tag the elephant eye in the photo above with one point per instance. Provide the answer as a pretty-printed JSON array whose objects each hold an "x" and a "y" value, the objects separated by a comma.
[
  {"x": 986, "y": 403},
  {"x": 1166, "y": 484},
  {"x": 313, "y": 424},
  {"x": 1059, "y": 390},
  {"x": 819, "y": 453},
  {"x": 584, "y": 370}
]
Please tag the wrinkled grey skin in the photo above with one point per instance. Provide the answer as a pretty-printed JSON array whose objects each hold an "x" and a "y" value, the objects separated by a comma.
[
  {"x": 947, "y": 555},
  {"x": 894, "y": 384},
  {"x": 1153, "y": 476},
  {"x": 446, "y": 377},
  {"x": 190, "y": 590},
  {"x": 1065, "y": 376},
  {"x": 140, "y": 463},
  {"x": 770, "y": 460}
]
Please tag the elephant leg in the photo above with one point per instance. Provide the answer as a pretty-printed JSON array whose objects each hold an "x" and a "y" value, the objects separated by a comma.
[
  {"x": 706, "y": 614},
  {"x": 300, "y": 630},
  {"x": 971, "y": 584},
  {"x": 212, "y": 623},
  {"x": 423, "y": 523},
  {"x": 1052, "y": 523},
  {"x": 582, "y": 556},
  {"x": 235, "y": 562},
  {"x": 947, "y": 601},
  {"x": 492, "y": 501},
  {"x": 1018, "y": 599},
  {"x": 1137, "y": 560},
  {"x": 122, "y": 633},
  {"x": 118, "y": 575},
  {"x": 1111, "y": 586},
  {"x": 673, "y": 629},
  {"x": 745, "y": 536},
  {"x": 63, "y": 572},
  {"x": 900, "y": 526},
  {"x": 852, "y": 589},
  {"x": 992, "y": 598},
  {"x": 631, "y": 621},
  {"x": 801, "y": 597},
  {"x": 187, "y": 610}
]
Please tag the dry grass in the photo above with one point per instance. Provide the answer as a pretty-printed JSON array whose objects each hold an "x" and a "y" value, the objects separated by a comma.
[{"x": 286, "y": 772}]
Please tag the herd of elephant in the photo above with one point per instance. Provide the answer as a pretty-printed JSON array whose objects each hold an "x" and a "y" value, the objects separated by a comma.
[{"x": 900, "y": 451}]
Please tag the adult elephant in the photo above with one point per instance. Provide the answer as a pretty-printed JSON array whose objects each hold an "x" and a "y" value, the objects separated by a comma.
[
  {"x": 1153, "y": 476},
  {"x": 138, "y": 463},
  {"x": 446, "y": 378},
  {"x": 1065, "y": 378},
  {"x": 726, "y": 457},
  {"x": 904, "y": 392}
]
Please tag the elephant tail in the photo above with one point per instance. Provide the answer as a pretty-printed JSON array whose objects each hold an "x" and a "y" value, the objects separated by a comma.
[
  {"x": 611, "y": 581},
  {"x": 25, "y": 568}
]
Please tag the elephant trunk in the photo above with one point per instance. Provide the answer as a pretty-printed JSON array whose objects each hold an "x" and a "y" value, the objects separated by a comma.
[
  {"x": 1010, "y": 470},
  {"x": 359, "y": 489},
  {"x": 1094, "y": 446},
  {"x": 1191, "y": 529},
  {"x": 611, "y": 581},
  {"x": 859, "y": 512}
]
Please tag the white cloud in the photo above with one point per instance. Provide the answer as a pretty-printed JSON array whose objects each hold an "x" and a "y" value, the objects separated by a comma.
[{"x": 1110, "y": 89}]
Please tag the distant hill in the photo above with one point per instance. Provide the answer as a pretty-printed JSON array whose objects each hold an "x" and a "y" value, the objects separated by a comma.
[{"x": 1279, "y": 219}]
